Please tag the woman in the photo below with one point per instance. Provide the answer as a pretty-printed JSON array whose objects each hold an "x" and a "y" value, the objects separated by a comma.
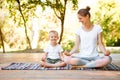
[{"x": 88, "y": 37}]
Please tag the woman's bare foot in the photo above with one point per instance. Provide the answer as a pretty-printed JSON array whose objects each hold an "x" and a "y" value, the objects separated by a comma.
[{"x": 75, "y": 67}]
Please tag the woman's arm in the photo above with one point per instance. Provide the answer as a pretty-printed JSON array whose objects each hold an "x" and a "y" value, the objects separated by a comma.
[
  {"x": 101, "y": 46},
  {"x": 76, "y": 46}
]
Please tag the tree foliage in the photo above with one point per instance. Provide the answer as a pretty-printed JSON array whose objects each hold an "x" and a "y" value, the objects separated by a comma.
[
  {"x": 59, "y": 8},
  {"x": 20, "y": 12},
  {"x": 108, "y": 16}
]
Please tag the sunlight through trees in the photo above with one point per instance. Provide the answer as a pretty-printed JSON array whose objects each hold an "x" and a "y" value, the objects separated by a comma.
[{"x": 61, "y": 15}]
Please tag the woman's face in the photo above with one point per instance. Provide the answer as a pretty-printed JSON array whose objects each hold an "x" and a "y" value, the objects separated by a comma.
[{"x": 83, "y": 19}]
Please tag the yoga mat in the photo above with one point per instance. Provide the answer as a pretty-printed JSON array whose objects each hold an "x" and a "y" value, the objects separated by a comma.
[{"x": 36, "y": 66}]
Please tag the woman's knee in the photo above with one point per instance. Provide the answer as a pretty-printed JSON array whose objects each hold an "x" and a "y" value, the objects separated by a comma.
[
  {"x": 67, "y": 59},
  {"x": 74, "y": 61},
  {"x": 108, "y": 59}
]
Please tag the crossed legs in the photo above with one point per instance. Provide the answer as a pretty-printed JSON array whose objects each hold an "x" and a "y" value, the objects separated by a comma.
[
  {"x": 83, "y": 62},
  {"x": 49, "y": 65}
]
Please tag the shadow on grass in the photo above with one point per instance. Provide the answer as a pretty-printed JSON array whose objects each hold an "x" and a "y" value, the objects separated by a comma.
[{"x": 25, "y": 51}]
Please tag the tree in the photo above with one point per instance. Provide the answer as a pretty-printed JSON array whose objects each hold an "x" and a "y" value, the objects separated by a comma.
[
  {"x": 108, "y": 14},
  {"x": 59, "y": 8},
  {"x": 1, "y": 34},
  {"x": 21, "y": 11},
  {"x": 1, "y": 26},
  {"x": 22, "y": 7},
  {"x": 24, "y": 23}
]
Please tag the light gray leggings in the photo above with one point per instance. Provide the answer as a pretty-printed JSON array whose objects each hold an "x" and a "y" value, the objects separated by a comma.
[{"x": 89, "y": 62}]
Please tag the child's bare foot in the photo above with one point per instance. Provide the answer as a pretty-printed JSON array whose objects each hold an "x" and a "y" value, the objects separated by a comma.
[
  {"x": 42, "y": 63},
  {"x": 0, "y": 68},
  {"x": 43, "y": 59}
]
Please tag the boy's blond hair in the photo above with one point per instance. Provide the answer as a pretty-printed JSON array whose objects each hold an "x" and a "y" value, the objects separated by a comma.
[{"x": 53, "y": 31}]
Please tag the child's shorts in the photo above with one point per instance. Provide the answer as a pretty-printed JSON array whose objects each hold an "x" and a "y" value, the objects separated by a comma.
[{"x": 53, "y": 61}]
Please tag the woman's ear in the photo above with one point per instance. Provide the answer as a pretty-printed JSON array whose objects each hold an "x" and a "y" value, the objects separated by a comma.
[{"x": 87, "y": 16}]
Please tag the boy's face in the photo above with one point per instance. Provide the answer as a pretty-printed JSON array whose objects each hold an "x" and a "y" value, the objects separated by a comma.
[{"x": 53, "y": 37}]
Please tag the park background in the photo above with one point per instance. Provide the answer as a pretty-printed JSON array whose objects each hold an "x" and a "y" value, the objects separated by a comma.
[{"x": 24, "y": 24}]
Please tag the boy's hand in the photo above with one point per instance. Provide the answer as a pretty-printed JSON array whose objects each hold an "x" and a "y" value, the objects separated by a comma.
[
  {"x": 43, "y": 58},
  {"x": 107, "y": 53}
]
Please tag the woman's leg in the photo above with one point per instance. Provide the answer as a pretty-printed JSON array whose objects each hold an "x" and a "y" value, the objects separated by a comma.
[
  {"x": 75, "y": 60},
  {"x": 100, "y": 62},
  {"x": 103, "y": 62}
]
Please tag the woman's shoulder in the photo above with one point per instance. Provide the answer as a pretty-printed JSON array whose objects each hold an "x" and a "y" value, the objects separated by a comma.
[
  {"x": 79, "y": 28},
  {"x": 97, "y": 26}
]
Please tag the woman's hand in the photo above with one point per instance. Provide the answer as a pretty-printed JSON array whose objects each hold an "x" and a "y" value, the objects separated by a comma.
[
  {"x": 67, "y": 53},
  {"x": 107, "y": 53}
]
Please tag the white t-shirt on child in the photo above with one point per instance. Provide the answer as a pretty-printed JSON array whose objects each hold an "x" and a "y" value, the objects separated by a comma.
[
  {"x": 88, "y": 41},
  {"x": 53, "y": 52}
]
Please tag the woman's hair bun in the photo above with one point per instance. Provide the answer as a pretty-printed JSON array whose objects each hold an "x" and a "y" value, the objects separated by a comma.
[{"x": 88, "y": 8}]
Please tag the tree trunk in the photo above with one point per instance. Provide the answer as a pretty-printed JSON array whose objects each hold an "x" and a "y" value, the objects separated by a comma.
[
  {"x": 62, "y": 30},
  {"x": 1, "y": 37},
  {"x": 62, "y": 21},
  {"x": 28, "y": 40}
]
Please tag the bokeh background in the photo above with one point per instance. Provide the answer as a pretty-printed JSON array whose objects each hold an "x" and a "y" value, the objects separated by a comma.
[{"x": 24, "y": 24}]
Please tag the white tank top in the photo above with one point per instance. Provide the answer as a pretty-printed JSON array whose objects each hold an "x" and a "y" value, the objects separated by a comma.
[{"x": 88, "y": 41}]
